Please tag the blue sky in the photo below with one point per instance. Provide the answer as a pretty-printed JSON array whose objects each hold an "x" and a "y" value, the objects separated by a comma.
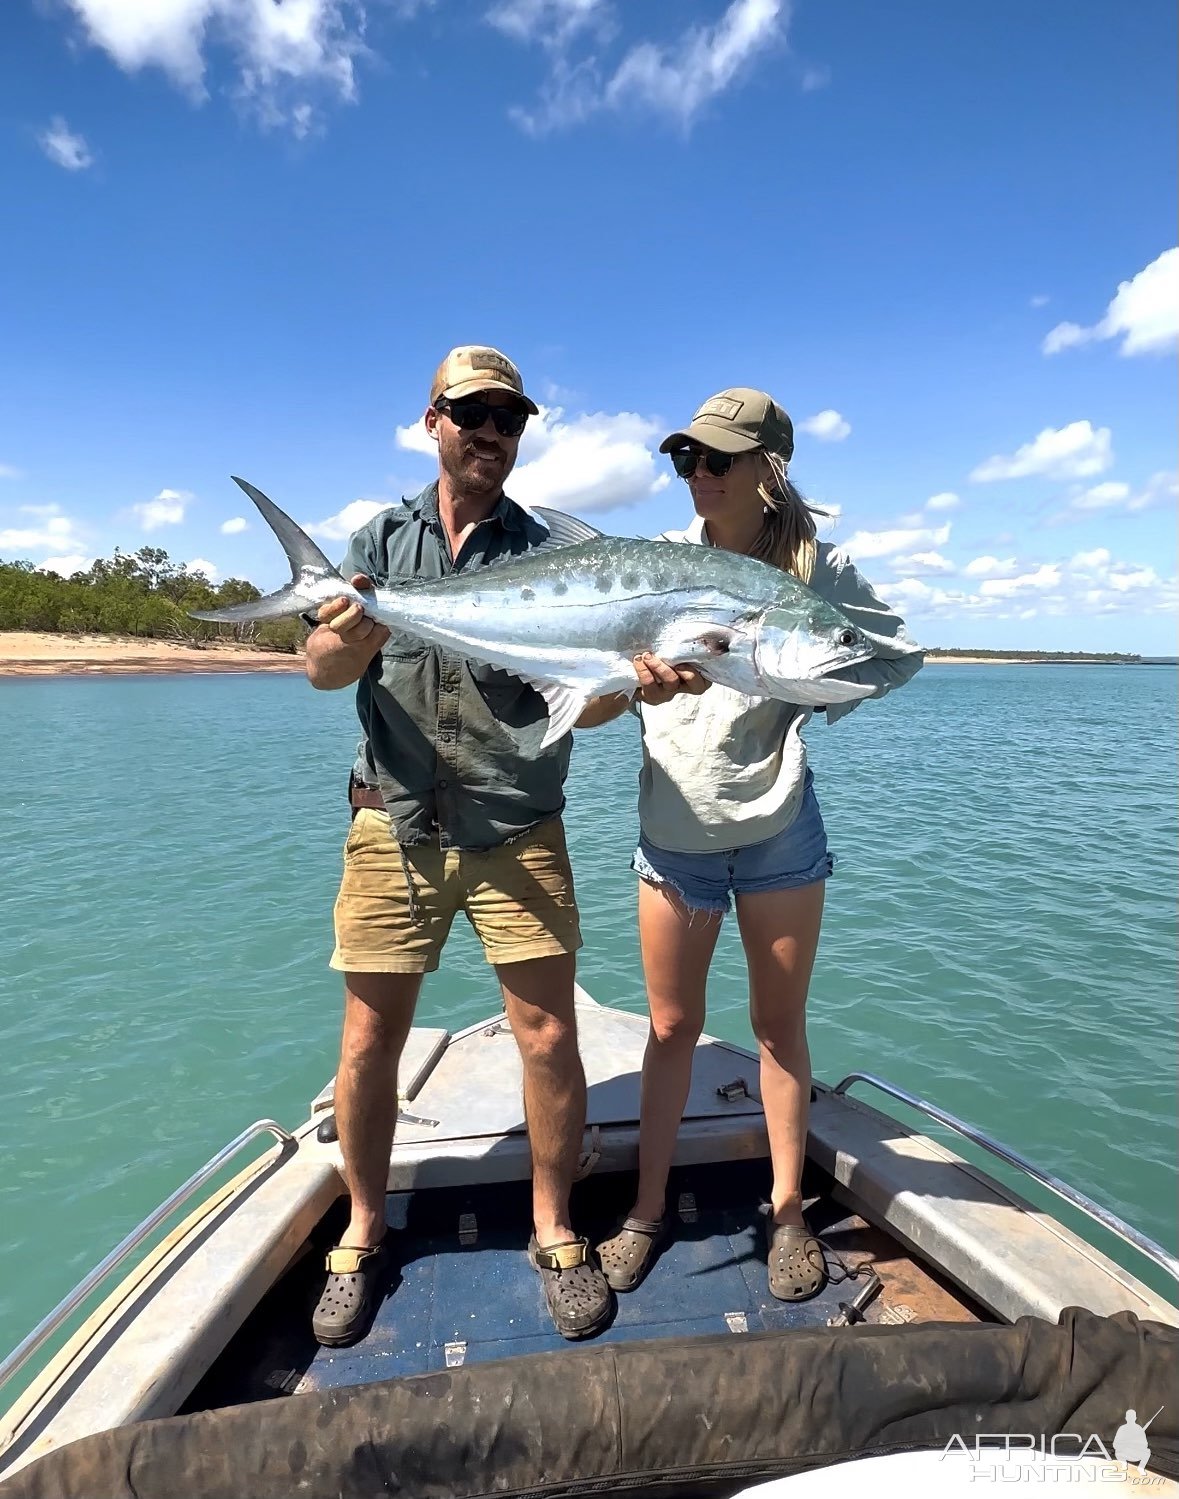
[{"x": 239, "y": 236}]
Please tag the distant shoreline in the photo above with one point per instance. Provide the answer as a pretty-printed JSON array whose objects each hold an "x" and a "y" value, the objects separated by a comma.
[{"x": 38, "y": 653}]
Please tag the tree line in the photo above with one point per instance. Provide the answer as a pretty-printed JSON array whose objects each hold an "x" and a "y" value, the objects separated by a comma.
[{"x": 141, "y": 593}]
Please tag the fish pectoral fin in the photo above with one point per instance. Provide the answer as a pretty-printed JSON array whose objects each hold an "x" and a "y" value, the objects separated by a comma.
[{"x": 566, "y": 702}]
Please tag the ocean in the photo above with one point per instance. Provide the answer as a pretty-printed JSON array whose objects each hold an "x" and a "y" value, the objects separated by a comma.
[{"x": 1000, "y": 932}]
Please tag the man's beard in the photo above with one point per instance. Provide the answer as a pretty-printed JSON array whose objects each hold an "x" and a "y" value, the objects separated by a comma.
[{"x": 473, "y": 475}]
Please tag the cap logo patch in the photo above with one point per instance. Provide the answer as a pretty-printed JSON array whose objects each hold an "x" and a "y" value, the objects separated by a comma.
[
  {"x": 723, "y": 406},
  {"x": 488, "y": 359}
]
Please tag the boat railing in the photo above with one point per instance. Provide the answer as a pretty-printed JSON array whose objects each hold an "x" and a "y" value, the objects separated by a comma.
[
  {"x": 1117, "y": 1226},
  {"x": 49, "y": 1324}
]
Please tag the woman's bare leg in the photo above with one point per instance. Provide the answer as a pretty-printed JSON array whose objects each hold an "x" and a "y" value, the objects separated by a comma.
[
  {"x": 677, "y": 946},
  {"x": 780, "y": 933}
]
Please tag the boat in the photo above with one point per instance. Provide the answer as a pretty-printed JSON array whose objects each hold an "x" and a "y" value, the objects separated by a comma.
[{"x": 961, "y": 1320}]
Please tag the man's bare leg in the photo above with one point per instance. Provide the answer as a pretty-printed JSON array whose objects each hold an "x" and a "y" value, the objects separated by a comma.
[
  {"x": 378, "y": 1012},
  {"x": 538, "y": 999}
]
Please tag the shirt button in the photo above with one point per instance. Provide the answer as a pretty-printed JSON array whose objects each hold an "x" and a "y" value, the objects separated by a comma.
[{"x": 442, "y": 785}]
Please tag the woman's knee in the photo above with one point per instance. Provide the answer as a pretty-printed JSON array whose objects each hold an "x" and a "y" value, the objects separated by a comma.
[
  {"x": 675, "y": 1029},
  {"x": 781, "y": 1031}
]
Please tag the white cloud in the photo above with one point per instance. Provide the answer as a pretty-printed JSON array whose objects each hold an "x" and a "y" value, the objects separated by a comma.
[
  {"x": 66, "y": 567},
  {"x": 922, "y": 562},
  {"x": 1102, "y": 496},
  {"x": 167, "y": 509},
  {"x": 676, "y": 80},
  {"x": 1047, "y": 575},
  {"x": 865, "y": 544},
  {"x": 235, "y": 526},
  {"x": 597, "y": 461},
  {"x": 551, "y": 23},
  {"x": 1161, "y": 488},
  {"x": 991, "y": 567},
  {"x": 8, "y": 472},
  {"x": 815, "y": 78},
  {"x": 944, "y": 501},
  {"x": 58, "y": 534},
  {"x": 1040, "y": 300},
  {"x": 1087, "y": 583},
  {"x": 339, "y": 527},
  {"x": 202, "y": 565},
  {"x": 1144, "y": 313},
  {"x": 1072, "y": 452},
  {"x": 275, "y": 47},
  {"x": 65, "y": 148},
  {"x": 827, "y": 426},
  {"x": 415, "y": 439}
]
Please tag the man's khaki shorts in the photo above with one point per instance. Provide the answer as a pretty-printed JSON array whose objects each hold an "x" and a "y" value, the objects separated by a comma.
[{"x": 518, "y": 897}]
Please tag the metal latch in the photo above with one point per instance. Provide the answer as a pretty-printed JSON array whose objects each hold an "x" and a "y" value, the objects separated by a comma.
[
  {"x": 468, "y": 1230},
  {"x": 456, "y": 1353},
  {"x": 731, "y": 1092},
  {"x": 686, "y": 1207},
  {"x": 853, "y": 1311}
]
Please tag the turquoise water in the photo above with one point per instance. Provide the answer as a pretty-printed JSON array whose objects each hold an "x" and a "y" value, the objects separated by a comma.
[{"x": 1000, "y": 933}]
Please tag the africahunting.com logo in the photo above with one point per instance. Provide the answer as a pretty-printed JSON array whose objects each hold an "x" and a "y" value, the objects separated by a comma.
[{"x": 1067, "y": 1457}]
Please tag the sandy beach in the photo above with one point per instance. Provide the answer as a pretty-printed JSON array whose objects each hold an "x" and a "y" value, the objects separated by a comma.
[{"x": 31, "y": 653}]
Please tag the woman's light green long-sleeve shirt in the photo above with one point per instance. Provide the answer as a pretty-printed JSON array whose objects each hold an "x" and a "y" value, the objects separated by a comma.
[{"x": 722, "y": 770}]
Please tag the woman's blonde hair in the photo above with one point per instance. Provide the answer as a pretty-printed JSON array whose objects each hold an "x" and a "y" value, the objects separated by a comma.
[{"x": 787, "y": 538}]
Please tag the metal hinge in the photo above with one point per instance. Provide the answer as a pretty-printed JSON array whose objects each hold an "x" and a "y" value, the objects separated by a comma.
[
  {"x": 737, "y": 1321},
  {"x": 731, "y": 1092},
  {"x": 468, "y": 1229},
  {"x": 456, "y": 1353}
]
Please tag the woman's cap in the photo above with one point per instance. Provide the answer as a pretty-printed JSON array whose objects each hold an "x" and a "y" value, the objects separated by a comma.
[{"x": 737, "y": 421}]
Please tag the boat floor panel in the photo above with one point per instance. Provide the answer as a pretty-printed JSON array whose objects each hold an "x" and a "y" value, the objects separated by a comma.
[{"x": 485, "y": 1300}]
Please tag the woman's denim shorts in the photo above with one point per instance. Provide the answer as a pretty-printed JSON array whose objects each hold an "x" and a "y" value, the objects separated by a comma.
[{"x": 794, "y": 857}]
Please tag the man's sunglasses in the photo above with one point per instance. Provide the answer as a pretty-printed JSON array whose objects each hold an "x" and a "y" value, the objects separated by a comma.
[
  {"x": 470, "y": 415},
  {"x": 686, "y": 459}
]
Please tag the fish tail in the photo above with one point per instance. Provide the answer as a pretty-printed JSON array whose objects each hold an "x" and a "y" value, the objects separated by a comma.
[{"x": 309, "y": 566}]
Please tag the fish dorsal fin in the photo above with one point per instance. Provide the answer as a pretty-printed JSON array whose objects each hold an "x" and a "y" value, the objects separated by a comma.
[{"x": 564, "y": 530}]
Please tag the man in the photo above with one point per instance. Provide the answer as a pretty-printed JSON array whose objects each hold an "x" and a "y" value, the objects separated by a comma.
[{"x": 456, "y": 807}]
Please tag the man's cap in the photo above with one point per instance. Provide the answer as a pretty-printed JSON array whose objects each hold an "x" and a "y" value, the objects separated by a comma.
[
  {"x": 473, "y": 367},
  {"x": 737, "y": 421}
]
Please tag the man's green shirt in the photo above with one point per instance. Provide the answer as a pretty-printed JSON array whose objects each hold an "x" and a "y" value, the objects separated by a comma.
[{"x": 453, "y": 746}]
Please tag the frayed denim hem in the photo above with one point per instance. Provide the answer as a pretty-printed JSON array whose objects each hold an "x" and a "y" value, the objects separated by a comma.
[{"x": 695, "y": 905}]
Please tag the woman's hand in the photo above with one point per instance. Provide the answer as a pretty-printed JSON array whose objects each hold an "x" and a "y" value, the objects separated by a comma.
[{"x": 659, "y": 682}]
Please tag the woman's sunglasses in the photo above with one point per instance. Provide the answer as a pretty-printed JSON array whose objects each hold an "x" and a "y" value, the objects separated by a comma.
[
  {"x": 470, "y": 415},
  {"x": 685, "y": 460}
]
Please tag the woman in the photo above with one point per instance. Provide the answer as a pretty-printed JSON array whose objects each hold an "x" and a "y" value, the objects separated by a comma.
[{"x": 726, "y": 806}]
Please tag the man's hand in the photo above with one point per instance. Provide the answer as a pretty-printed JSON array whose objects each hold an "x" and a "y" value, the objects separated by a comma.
[
  {"x": 341, "y": 646},
  {"x": 350, "y": 622},
  {"x": 659, "y": 682}
]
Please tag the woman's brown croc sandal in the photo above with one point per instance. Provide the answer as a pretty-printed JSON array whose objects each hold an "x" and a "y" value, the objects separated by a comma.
[
  {"x": 627, "y": 1257},
  {"x": 797, "y": 1267},
  {"x": 578, "y": 1297},
  {"x": 355, "y": 1282}
]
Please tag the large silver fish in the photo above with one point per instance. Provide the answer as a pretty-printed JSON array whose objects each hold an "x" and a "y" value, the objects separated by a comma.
[{"x": 570, "y": 615}]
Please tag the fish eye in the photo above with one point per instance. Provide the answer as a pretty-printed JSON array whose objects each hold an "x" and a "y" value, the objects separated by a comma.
[{"x": 847, "y": 637}]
